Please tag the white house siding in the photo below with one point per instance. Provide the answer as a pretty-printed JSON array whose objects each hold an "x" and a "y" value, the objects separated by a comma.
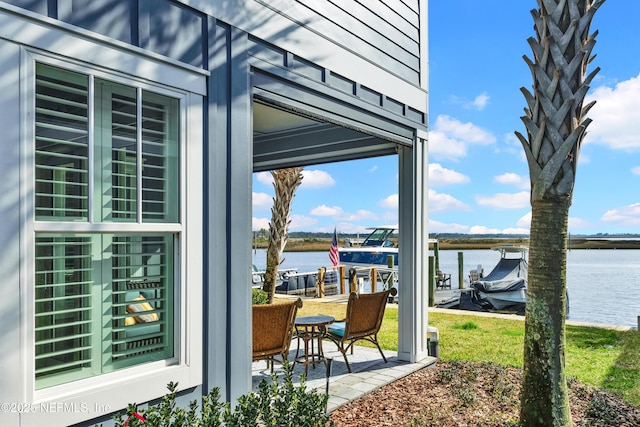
[{"x": 11, "y": 364}]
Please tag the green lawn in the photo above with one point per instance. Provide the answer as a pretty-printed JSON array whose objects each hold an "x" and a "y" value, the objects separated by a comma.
[{"x": 607, "y": 359}]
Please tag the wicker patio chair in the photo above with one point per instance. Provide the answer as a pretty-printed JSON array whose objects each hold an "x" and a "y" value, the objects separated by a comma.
[
  {"x": 363, "y": 321},
  {"x": 273, "y": 326}
]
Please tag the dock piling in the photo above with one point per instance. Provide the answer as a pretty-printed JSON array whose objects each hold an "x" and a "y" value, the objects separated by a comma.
[
  {"x": 320, "y": 282},
  {"x": 432, "y": 281},
  {"x": 353, "y": 280},
  {"x": 460, "y": 270}
]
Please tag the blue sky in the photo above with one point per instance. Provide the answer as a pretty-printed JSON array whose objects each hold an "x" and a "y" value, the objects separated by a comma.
[{"x": 478, "y": 176}]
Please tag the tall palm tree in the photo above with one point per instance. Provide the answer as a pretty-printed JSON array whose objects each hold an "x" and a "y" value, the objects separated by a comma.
[
  {"x": 556, "y": 124},
  {"x": 285, "y": 182}
]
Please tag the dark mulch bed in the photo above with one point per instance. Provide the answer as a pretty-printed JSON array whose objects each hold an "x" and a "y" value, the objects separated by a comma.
[{"x": 472, "y": 394}]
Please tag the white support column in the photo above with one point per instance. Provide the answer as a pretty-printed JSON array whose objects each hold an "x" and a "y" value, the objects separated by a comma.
[
  {"x": 414, "y": 251},
  {"x": 14, "y": 236},
  {"x": 228, "y": 305},
  {"x": 240, "y": 146}
]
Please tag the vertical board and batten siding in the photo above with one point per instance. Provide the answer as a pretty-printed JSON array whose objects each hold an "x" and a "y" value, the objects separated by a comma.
[
  {"x": 182, "y": 34},
  {"x": 11, "y": 360}
]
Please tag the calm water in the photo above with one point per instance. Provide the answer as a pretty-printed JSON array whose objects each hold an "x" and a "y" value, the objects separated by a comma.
[{"x": 604, "y": 285}]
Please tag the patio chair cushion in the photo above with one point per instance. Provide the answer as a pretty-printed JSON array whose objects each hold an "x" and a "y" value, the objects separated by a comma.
[
  {"x": 337, "y": 328},
  {"x": 141, "y": 305}
]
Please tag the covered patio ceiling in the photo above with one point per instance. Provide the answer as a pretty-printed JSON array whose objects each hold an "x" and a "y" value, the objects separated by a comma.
[{"x": 286, "y": 138}]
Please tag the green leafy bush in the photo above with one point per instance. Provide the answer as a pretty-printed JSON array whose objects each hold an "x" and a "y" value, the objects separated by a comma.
[
  {"x": 258, "y": 297},
  {"x": 275, "y": 404}
]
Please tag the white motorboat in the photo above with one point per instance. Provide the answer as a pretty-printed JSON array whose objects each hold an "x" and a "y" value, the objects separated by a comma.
[
  {"x": 505, "y": 287},
  {"x": 375, "y": 249}
]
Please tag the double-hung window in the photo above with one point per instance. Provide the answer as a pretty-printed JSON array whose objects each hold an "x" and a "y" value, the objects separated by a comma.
[{"x": 107, "y": 184}]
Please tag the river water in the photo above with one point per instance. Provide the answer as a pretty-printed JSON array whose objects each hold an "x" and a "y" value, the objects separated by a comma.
[{"x": 604, "y": 285}]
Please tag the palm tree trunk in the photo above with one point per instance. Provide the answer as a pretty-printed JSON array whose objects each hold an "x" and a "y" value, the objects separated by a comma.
[
  {"x": 285, "y": 183},
  {"x": 545, "y": 400},
  {"x": 556, "y": 123}
]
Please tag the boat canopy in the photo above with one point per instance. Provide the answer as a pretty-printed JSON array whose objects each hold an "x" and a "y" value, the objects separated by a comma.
[
  {"x": 509, "y": 274},
  {"x": 379, "y": 237}
]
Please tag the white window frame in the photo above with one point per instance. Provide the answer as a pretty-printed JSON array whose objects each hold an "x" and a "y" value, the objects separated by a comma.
[{"x": 108, "y": 392}]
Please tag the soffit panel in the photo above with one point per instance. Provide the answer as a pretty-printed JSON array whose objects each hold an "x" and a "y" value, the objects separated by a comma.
[
  {"x": 291, "y": 133},
  {"x": 307, "y": 141},
  {"x": 279, "y": 86}
]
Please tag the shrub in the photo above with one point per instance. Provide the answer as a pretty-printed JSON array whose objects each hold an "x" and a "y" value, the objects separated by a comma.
[
  {"x": 258, "y": 297},
  {"x": 276, "y": 404}
]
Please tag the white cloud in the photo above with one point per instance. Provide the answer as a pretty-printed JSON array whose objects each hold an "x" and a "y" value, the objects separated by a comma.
[
  {"x": 515, "y": 230},
  {"x": 360, "y": 215},
  {"x": 512, "y": 145},
  {"x": 449, "y": 137},
  {"x": 522, "y": 227},
  {"x": 373, "y": 169},
  {"x": 350, "y": 228},
  {"x": 298, "y": 222},
  {"x": 522, "y": 182},
  {"x": 505, "y": 200},
  {"x": 636, "y": 170},
  {"x": 583, "y": 159},
  {"x": 439, "y": 202},
  {"x": 616, "y": 115},
  {"x": 324, "y": 210},
  {"x": 301, "y": 222},
  {"x": 264, "y": 178},
  {"x": 525, "y": 221},
  {"x": 443, "y": 146},
  {"x": 258, "y": 224},
  {"x": 261, "y": 201},
  {"x": 389, "y": 217},
  {"x": 579, "y": 223},
  {"x": 480, "y": 101},
  {"x": 439, "y": 176},
  {"x": 441, "y": 227},
  {"x": 626, "y": 215},
  {"x": 338, "y": 214},
  {"x": 310, "y": 179},
  {"x": 316, "y": 179},
  {"x": 467, "y": 132},
  {"x": 481, "y": 229},
  {"x": 389, "y": 202}
]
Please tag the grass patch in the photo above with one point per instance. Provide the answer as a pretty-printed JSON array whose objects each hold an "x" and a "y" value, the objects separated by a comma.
[
  {"x": 493, "y": 340},
  {"x": 602, "y": 358},
  {"x": 466, "y": 326}
]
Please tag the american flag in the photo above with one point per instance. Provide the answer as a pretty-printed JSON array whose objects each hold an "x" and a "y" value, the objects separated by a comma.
[{"x": 333, "y": 252}]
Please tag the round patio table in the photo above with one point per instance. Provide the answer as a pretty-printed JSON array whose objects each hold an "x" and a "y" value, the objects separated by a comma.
[{"x": 311, "y": 330}]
